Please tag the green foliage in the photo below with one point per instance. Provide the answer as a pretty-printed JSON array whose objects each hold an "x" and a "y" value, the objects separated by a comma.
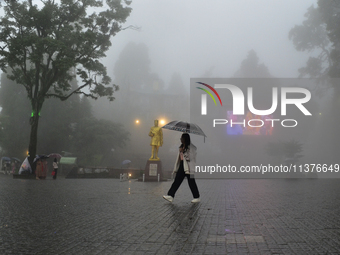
[
  {"x": 54, "y": 120},
  {"x": 41, "y": 46},
  {"x": 96, "y": 139},
  {"x": 14, "y": 118},
  {"x": 320, "y": 34},
  {"x": 64, "y": 126},
  {"x": 288, "y": 150},
  {"x": 274, "y": 149},
  {"x": 330, "y": 12},
  {"x": 292, "y": 148},
  {"x": 311, "y": 36},
  {"x": 46, "y": 48}
]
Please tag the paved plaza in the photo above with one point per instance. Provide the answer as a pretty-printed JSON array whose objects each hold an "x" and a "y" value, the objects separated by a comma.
[{"x": 106, "y": 216}]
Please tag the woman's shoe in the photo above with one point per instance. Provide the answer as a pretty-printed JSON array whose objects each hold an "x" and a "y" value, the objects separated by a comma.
[
  {"x": 196, "y": 200},
  {"x": 169, "y": 198}
]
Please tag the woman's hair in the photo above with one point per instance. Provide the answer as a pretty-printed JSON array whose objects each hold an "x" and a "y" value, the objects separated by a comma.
[{"x": 186, "y": 138}]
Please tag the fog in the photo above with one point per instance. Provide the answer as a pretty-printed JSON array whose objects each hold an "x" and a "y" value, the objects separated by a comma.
[
  {"x": 206, "y": 39},
  {"x": 190, "y": 37},
  {"x": 164, "y": 44}
]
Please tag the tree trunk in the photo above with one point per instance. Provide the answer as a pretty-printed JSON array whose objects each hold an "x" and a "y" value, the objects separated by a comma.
[{"x": 32, "y": 148}]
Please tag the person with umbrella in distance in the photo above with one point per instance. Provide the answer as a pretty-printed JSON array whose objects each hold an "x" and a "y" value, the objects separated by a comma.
[
  {"x": 55, "y": 168},
  {"x": 56, "y": 156},
  {"x": 184, "y": 167}
]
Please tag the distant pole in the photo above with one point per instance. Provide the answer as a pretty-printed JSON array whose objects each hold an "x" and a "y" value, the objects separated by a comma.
[
  {"x": 143, "y": 177},
  {"x": 158, "y": 177}
]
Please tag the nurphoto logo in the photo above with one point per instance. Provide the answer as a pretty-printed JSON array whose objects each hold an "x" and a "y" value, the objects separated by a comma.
[{"x": 263, "y": 116}]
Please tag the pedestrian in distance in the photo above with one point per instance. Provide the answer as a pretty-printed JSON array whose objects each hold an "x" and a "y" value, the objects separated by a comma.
[
  {"x": 40, "y": 172},
  {"x": 55, "y": 168},
  {"x": 13, "y": 165},
  {"x": 184, "y": 167}
]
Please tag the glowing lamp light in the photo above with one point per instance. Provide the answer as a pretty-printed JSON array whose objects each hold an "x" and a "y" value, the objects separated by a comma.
[
  {"x": 137, "y": 121},
  {"x": 162, "y": 122},
  {"x": 130, "y": 175}
]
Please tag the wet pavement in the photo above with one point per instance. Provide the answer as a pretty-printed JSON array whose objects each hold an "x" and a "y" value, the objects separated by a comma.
[{"x": 106, "y": 216}]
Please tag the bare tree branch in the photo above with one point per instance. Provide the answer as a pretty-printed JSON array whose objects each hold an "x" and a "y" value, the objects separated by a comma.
[{"x": 76, "y": 91}]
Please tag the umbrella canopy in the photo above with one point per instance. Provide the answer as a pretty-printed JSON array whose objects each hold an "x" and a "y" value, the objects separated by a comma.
[
  {"x": 54, "y": 155},
  {"x": 16, "y": 159},
  {"x": 126, "y": 161},
  {"x": 40, "y": 157},
  {"x": 185, "y": 127},
  {"x": 5, "y": 159}
]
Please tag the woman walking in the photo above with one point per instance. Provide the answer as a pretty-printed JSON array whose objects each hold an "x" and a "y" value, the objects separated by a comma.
[
  {"x": 55, "y": 168},
  {"x": 184, "y": 166}
]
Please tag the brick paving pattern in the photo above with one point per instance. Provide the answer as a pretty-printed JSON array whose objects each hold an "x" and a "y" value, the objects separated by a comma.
[{"x": 106, "y": 216}]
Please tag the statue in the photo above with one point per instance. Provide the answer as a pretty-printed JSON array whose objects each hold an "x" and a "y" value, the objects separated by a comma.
[{"x": 156, "y": 135}]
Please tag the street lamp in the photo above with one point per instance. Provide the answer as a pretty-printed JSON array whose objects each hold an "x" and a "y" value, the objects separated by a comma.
[
  {"x": 137, "y": 122},
  {"x": 162, "y": 122}
]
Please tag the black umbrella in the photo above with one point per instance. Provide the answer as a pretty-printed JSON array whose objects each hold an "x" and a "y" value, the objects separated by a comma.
[
  {"x": 40, "y": 157},
  {"x": 185, "y": 127}
]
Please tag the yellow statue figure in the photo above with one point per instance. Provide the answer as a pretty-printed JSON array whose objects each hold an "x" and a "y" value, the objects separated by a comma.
[{"x": 156, "y": 134}]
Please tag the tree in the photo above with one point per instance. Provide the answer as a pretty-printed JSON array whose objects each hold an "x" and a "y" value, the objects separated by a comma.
[
  {"x": 133, "y": 68},
  {"x": 176, "y": 83},
  {"x": 57, "y": 123},
  {"x": 251, "y": 68},
  {"x": 99, "y": 136},
  {"x": 55, "y": 120},
  {"x": 48, "y": 47},
  {"x": 311, "y": 36},
  {"x": 320, "y": 33},
  {"x": 285, "y": 151},
  {"x": 330, "y": 12},
  {"x": 133, "y": 73},
  {"x": 133, "y": 65},
  {"x": 316, "y": 35},
  {"x": 65, "y": 126},
  {"x": 14, "y": 118}
]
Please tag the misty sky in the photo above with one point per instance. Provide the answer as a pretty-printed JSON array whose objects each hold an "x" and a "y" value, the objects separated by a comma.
[{"x": 192, "y": 36}]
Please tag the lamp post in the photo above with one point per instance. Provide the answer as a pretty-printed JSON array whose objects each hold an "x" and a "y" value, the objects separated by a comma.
[{"x": 162, "y": 122}]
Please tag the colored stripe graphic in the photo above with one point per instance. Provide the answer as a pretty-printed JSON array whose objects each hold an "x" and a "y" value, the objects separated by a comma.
[
  {"x": 212, "y": 90},
  {"x": 207, "y": 91}
]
